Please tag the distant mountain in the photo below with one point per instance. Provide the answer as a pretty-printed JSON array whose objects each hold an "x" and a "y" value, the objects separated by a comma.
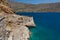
[{"x": 22, "y": 7}]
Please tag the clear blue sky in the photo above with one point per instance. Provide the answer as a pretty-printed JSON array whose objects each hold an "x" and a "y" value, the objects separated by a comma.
[{"x": 37, "y": 1}]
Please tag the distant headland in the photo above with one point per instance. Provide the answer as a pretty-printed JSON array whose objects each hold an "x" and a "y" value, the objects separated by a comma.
[{"x": 23, "y": 7}]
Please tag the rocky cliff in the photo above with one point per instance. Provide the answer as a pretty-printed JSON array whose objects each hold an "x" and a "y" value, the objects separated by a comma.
[{"x": 12, "y": 26}]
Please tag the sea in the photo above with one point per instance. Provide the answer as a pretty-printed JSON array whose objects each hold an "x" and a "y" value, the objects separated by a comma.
[{"x": 47, "y": 25}]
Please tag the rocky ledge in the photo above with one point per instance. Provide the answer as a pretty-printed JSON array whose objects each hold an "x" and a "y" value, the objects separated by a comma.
[{"x": 15, "y": 27}]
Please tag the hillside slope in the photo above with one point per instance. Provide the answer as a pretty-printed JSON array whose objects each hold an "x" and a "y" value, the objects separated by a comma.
[{"x": 21, "y": 7}]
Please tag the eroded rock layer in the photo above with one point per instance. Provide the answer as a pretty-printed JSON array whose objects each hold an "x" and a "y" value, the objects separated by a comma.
[
  {"x": 12, "y": 26},
  {"x": 15, "y": 26}
]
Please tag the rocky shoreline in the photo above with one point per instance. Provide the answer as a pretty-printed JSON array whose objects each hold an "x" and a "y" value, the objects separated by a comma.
[{"x": 13, "y": 26}]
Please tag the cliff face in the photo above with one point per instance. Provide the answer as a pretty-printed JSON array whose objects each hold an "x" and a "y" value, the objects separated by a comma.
[
  {"x": 21, "y": 7},
  {"x": 12, "y": 26}
]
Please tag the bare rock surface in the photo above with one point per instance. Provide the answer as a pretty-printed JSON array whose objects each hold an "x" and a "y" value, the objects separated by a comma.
[
  {"x": 12, "y": 26},
  {"x": 15, "y": 26}
]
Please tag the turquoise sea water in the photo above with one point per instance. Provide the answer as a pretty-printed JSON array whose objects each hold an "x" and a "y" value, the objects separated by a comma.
[{"x": 47, "y": 25}]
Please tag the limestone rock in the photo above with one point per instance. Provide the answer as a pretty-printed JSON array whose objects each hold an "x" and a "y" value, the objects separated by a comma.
[
  {"x": 12, "y": 26},
  {"x": 6, "y": 9},
  {"x": 16, "y": 26}
]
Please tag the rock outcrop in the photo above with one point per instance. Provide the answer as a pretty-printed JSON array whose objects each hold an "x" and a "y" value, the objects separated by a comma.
[
  {"x": 6, "y": 8},
  {"x": 12, "y": 26}
]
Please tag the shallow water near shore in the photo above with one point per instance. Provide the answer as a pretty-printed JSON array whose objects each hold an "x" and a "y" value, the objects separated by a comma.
[{"x": 47, "y": 25}]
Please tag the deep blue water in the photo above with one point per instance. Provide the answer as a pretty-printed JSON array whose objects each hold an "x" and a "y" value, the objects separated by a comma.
[{"x": 47, "y": 25}]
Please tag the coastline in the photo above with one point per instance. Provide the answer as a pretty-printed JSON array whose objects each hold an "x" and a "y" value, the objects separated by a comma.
[
  {"x": 13, "y": 26},
  {"x": 16, "y": 26}
]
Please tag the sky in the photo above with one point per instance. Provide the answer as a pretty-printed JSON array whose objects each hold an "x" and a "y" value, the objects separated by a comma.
[{"x": 37, "y": 1}]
